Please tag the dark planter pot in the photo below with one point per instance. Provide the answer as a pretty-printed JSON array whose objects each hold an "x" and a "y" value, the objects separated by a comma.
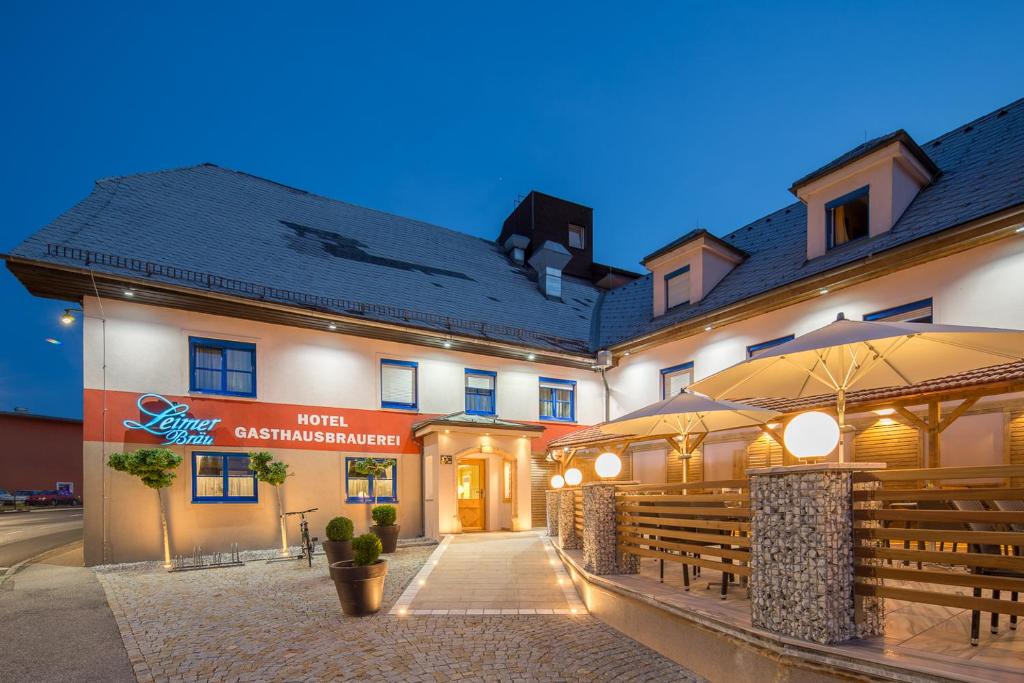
[
  {"x": 338, "y": 551},
  {"x": 388, "y": 536},
  {"x": 360, "y": 589}
]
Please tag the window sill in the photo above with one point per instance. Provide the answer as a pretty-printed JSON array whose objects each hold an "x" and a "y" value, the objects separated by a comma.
[
  {"x": 363, "y": 501},
  {"x": 565, "y": 421},
  {"x": 201, "y": 393},
  {"x": 238, "y": 501},
  {"x": 398, "y": 407}
]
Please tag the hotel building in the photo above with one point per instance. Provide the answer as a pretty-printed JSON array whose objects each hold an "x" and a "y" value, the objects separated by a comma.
[{"x": 224, "y": 313}]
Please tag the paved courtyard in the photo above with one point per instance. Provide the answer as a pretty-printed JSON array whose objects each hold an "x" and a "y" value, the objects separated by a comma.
[{"x": 282, "y": 622}]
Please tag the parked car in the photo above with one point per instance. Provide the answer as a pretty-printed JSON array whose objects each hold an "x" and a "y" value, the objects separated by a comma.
[
  {"x": 53, "y": 498},
  {"x": 6, "y": 497}
]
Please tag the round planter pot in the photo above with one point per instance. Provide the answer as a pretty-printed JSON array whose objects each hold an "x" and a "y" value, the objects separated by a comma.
[
  {"x": 338, "y": 551},
  {"x": 388, "y": 536},
  {"x": 360, "y": 589}
]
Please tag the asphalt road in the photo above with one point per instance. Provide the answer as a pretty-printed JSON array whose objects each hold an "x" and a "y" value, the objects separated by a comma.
[{"x": 26, "y": 534}]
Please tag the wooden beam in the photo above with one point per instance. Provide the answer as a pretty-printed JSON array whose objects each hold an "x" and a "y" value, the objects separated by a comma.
[
  {"x": 934, "y": 418},
  {"x": 914, "y": 420},
  {"x": 957, "y": 412}
]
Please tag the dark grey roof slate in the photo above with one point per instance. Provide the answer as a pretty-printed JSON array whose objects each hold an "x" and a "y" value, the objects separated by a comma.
[
  {"x": 982, "y": 172},
  {"x": 213, "y": 220},
  {"x": 866, "y": 148},
  {"x": 208, "y": 219}
]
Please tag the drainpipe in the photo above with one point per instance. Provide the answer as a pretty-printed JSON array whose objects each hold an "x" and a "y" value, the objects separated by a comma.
[{"x": 607, "y": 396}]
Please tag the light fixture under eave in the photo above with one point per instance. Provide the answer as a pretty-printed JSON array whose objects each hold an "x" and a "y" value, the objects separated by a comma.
[
  {"x": 1020, "y": 228},
  {"x": 823, "y": 291},
  {"x": 68, "y": 317},
  {"x": 882, "y": 412},
  {"x": 532, "y": 356},
  {"x": 129, "y": 292},
  {"x": 447, "y": 344},
  {"x": 332, "y": 326},
  {"x": 707, "y": 328}
]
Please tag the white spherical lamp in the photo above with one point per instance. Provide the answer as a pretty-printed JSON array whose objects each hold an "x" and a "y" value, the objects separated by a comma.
[
  {"x": 557, "y": 481},
  {"x": 607, "y": 465},
  {"x": 811, "y": 435},
  {"x": 573, "y": 476}
]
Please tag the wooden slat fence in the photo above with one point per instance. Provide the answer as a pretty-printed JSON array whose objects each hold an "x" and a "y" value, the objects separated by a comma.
[
  {"x": 700, "y": 524},
  {"x": 945, "y": 539}
]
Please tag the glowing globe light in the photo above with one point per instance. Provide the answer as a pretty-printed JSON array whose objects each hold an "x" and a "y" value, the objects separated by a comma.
[
  {"x": 573, "y": 476},
  {"x": 607, "y": 465},
  {"x": 557, "y": 481},
  {"x": 811, "y": 435}
]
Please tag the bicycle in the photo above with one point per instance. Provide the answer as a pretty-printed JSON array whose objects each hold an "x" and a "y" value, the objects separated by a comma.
[{"x": 306, "y": 544}]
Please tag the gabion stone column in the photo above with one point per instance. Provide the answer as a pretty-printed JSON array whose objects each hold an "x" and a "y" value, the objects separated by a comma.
[
  {"x": 568, "y": 539},
  {"x": 551, "y": 500},
  {"x": 600, "y": 554},
  {"x": 801, "y": 554}
]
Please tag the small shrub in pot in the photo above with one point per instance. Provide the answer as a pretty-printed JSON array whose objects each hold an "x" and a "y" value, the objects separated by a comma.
[
  {"x": 384, "y": 517},
  {"x": 360, "y": 581},
  {"x": 338, "y": 545}
]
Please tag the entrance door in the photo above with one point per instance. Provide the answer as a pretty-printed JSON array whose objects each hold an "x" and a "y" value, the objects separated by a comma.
[{"x": 472, "y": 506}]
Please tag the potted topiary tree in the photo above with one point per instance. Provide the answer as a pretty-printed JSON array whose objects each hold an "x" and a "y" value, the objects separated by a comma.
[
  {"x": 272, "y": 472},
  {"x": 155, "y": 467},
  {"x": 338, "y": 545},
  {"x": 360, "y": 581},
  {"x": 385, "y": 527}
]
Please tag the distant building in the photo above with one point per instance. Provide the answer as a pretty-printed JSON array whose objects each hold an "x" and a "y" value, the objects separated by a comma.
[
  {"x": 225, "y": 313},
  {"x": 40, "y": 452}
]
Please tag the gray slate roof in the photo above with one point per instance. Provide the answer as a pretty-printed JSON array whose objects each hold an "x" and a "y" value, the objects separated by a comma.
[
  {"x": 209, "y": 219},
  {"x": 982, "y": 172}
]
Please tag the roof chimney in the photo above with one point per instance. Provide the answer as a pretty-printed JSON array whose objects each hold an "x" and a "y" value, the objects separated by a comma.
[{"x": 548, "y": 260}]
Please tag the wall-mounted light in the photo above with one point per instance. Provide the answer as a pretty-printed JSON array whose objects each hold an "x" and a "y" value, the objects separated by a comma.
[{"x": 69, "y": 315}]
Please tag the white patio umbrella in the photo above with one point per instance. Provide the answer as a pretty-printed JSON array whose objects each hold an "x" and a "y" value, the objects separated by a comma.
[
  {"x": 847, "y": 354},
  {"x": 688, "y": 413}
]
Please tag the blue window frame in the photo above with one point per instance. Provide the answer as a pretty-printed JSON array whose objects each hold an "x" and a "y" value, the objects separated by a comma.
[
  {"x": 360, "y": 488},
  {"x": 677, "y": 288},
  {"x": 675, "y": 379},
  {"x": 557, "y": 399},
  {"x": 916, "y": 312},
  {"x": 847, "y": 218},
  {"x": 480, "y": 385},
  {"x": 223, "y": 478},
  {"x": 217, "y": 366},
  {"x": 399, "y": 384},
  {"x": 755, "y": 349}
]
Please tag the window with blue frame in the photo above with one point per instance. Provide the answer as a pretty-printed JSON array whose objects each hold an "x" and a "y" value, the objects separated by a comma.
[
  {"x": 675, "y": 379},
  {"x": 916, "y": 312},
  {"x": 218, "y": 366},
  {"x": 361, "y": 488},
  {"x": 398, "y": 387},
  {"x": 846, "y": 218},
  {"x": 755, "y": 349},
  {"x": 480, "y": 386},
  {"x": 222, "y": 478},
  {"x": 557, "y": 399},
  {"x": 677, "y": 287}
]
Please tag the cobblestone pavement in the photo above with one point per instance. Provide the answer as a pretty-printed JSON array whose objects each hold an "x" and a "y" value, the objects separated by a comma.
[{"x": 282, "y": 622}]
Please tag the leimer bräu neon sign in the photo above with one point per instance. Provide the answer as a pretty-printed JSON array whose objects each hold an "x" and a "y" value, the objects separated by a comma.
[{"x": 171, "y": 421}]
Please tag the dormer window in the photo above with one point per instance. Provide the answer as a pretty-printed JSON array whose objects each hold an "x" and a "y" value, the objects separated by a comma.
[
  {"x": 846, "y": 218},
  {"x": 577, "y": 236},
  {"x": 677, "y": 287}
]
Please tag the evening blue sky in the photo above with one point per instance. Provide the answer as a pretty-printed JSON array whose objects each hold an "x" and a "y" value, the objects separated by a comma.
[{"x": 661, "y": 116}]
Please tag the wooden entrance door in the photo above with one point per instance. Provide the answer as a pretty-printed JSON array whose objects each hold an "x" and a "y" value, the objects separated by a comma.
[{"x": 471, "y": 488}]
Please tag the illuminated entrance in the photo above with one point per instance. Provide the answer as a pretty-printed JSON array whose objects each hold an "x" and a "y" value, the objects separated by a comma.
[{"x": 471, "y": 493}]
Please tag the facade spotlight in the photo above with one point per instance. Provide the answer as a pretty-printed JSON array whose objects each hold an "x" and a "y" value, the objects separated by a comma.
[{"x": 68, "y": 317}]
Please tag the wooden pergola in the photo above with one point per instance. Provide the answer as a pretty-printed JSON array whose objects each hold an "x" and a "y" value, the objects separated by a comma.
[{"x": 965, "y": 390}]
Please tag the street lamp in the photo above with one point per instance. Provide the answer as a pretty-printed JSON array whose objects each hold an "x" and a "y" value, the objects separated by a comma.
[
  {"x": 573, "y": 476},
  {"x": 811, "y": 435},
  {"x": 607, "y": 465}
]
